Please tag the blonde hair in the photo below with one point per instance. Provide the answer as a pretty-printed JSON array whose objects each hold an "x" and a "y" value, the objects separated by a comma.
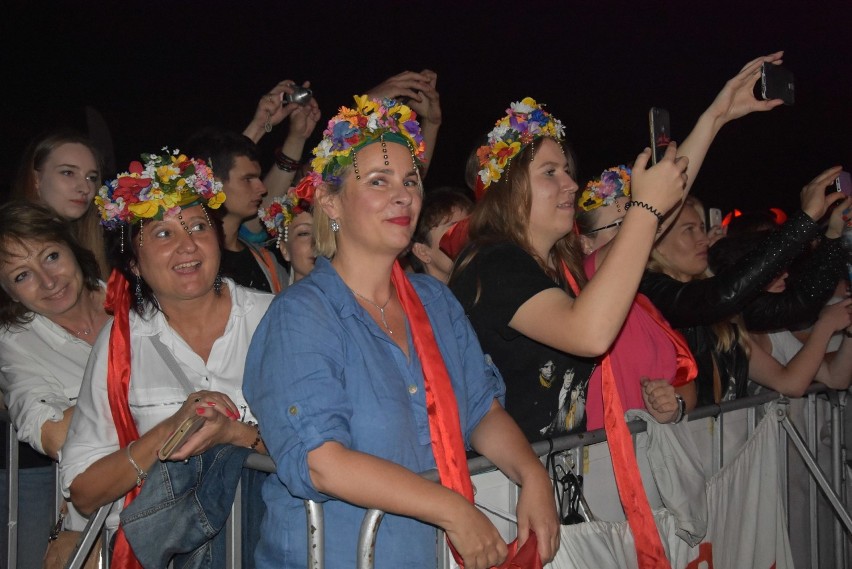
[
  {"x": 325, "y": 240},
  {"x": 728, "y": 332}
]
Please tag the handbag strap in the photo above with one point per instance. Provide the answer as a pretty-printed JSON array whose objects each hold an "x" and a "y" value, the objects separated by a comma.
[{"x": 172, "y": 364}]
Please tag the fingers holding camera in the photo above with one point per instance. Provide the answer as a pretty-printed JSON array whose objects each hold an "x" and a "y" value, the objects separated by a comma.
[
  {"x": 813, "y": 197},
  {"x": 736, "y": 99}
]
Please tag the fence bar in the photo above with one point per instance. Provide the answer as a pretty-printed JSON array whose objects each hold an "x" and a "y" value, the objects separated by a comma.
[
  {"x": 316, "y": 535},
  {"x": 367, "y": 538},
  {"x": 836, "y": 475},
  {"x": 233, "y": 545},
  {"x": 817, "y": 473},
  {"x": 11, "y": 491},
  {"x": 813, "y": 508},
  {"x": 90, "y": 535}
]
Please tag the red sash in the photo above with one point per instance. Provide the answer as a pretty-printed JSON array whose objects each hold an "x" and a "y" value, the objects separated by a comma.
[
  {"x": 442, "y": 410},
  {"x": 649, "y": 548},
  {"x": 118, "y": 385}
]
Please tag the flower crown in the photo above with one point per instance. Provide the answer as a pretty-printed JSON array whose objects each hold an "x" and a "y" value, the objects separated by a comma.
[
  {"x": 161, "y": 186},
  {"x": 371, "y": 119},
  {"x": 282, "y": 210},
  {"x": 525, "y": 121},
  {"x": 613, "y": 183}
]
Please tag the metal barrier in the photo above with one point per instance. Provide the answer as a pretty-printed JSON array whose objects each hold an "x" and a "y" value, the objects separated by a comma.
[{"x": 833, "y": 488}]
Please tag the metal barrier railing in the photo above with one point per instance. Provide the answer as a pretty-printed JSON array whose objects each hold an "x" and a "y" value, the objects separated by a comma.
[{"x": 832, "y": 488}]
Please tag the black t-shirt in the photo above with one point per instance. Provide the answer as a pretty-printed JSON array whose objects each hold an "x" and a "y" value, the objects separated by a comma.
[
  {"x": 244, "y": 269},
  {"x": 545, "y": 388}
]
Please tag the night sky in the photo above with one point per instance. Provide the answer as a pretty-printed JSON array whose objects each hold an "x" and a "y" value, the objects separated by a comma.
[{"x": 158, "y": 71}]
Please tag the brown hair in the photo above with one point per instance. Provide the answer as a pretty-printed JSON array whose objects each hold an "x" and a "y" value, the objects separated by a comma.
[
  {"x": 87, "y": 230},
  {"x": 503, "y": 214},
  {"x": 21, "y": 221}
]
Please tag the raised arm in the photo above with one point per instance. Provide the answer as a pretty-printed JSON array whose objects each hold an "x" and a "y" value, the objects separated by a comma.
[
  {"x": 588, "y": 325},
  {"x": 420, "y": 93},
  {"x": 794, "y": 378}
]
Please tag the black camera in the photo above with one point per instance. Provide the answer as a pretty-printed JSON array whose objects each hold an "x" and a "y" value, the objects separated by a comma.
[{"x": 300, "y": 95}]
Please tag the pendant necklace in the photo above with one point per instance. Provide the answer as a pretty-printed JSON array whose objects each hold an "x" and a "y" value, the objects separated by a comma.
[{"x": 380, "y": 308}]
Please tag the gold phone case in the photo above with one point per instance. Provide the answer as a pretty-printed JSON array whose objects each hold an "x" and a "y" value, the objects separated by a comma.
[{"x": 174, "y": 442}]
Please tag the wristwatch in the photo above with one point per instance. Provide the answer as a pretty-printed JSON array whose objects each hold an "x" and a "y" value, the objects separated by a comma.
[{"x": 681, "y": 409}]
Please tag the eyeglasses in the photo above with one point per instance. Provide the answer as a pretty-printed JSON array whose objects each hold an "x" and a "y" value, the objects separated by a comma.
[{"x": 616, "y": 223}]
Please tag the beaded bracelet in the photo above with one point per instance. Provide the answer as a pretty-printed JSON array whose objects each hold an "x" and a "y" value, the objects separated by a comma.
[
  {"x": 257, "y": 440},
  {"x": 286, "y": 163},
  {"x": 649, "y": 207},
  {"x": 141, "y": 475}
]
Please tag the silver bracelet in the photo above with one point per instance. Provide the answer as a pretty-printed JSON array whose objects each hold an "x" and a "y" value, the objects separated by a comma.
[
  {"x": 141, "y": 475},
  {"x": 681, "y": 409}
]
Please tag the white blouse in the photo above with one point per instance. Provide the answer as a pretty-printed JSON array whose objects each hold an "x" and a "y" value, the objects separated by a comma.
[
  {"x": 154, "y": 393},
  {"x": 41, "y": 370}
]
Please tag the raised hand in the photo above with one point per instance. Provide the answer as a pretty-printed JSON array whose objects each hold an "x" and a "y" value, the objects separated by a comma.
[
  {"x": 736, "y": 99},
  {"x": 662, "y": 185},
  {"x": 813, "y": 198}
]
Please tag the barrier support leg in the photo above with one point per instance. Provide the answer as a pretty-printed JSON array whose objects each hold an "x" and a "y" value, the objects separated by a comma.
[
  {"x": 316, "y": 535},
  {"x": 12, "y": 495},
  {"x": 816, "y": 472},
  {"x": 90, "y": 535}
]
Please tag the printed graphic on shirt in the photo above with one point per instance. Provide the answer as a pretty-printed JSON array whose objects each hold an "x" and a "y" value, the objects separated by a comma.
[{"x": 571, "y": 412}]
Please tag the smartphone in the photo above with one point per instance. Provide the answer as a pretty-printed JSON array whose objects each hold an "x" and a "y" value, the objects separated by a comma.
[
  {"x": 843, "y": 183},
  {"x": 714, "y": 217},
  {"x": 179, "y": 437},
  {"x": 776, "y": 82},
  {"x": 660, "y": 129}
]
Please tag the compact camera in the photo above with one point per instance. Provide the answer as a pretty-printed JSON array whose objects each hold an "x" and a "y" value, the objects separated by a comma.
[{"x": 300, "y": 95}]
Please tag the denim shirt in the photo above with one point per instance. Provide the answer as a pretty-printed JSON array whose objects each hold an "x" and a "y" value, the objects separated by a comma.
[{"x": 320, "y": 369}]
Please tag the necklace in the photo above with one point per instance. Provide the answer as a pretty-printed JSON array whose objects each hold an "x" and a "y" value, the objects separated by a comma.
[
  {"x": 380, "y": 308},
  {"x": 79, "y": 333}
]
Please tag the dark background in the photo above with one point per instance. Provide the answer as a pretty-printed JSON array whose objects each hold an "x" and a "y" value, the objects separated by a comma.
[{"x": 157, "y": 71}]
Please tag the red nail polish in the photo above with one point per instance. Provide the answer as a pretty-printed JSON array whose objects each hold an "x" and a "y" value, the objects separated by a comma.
[
  {"x": 211, "y": 403},
  {"x": 199, "y": 410}
]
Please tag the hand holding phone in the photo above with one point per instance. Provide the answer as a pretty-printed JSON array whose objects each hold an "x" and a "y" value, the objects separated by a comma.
[
  {"x": 660, "y": 129},
  {"x": 188, "y": 428},
  {"x": 776, "y": 82},
  {"x": 843, "y": 183}
]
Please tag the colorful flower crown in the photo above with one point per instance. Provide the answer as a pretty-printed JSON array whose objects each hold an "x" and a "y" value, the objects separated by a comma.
[
  {"x": 162, "y": 186},
  {"x": 613, "y": 183},
  {"x": 525, "y": 121},
  {"x": 282, "y": 210},
  {"x": 371, "y": 119}
]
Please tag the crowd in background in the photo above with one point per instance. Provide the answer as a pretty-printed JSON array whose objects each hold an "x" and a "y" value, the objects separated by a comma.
[{"x": 321, "y": 311}]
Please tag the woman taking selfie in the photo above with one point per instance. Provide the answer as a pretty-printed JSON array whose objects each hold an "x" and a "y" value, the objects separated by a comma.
[
  {"x": 176, "y": 347},
  {"x": 364, "y": 376}
]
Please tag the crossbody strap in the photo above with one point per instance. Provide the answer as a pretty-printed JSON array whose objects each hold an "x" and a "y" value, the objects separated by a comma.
[{"x": 171, "y": 362}]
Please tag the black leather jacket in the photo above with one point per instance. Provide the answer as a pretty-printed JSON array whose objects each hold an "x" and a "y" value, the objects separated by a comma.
[{"x": 693, "y": 307}]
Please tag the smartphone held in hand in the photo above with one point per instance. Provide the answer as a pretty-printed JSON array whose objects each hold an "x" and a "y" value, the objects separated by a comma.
[
  {"x": 179, "y": 437},
  {"x": 660, "y": 129},
  {"x": 776, "y": 82}
]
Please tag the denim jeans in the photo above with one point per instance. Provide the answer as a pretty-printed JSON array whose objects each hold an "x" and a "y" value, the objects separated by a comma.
[
  {"x": 36, "y": 514},
  {"x": 181, "y": 509}
]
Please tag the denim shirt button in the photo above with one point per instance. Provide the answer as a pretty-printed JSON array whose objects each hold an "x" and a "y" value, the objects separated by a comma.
[
  {"x": 293, "y": 410},
  {"x": 412, "y": 389}
]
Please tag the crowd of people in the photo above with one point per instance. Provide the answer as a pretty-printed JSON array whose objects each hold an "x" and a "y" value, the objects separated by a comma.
[{"x": 361, "y": 328}]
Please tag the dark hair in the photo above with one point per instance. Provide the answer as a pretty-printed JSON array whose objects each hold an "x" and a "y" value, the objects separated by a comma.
[
  {"x": 220, "y": 148},
  {"x": 22, "y": 221},
  {"x": 751, "y": 222},
  {"x": 123, "y": 251},
  {"x": 728, "y": 250},
  {"x": 502, "y": 214},
  {"x": 438, "y": 206}
]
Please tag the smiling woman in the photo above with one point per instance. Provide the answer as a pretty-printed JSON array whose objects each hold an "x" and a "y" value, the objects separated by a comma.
[
  {"x": 355, "y": 365},
  {"x": 191, "y": 330}
]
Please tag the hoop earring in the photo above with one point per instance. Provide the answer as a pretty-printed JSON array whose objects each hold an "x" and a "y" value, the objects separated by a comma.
[{"x": 334, "y": 226}]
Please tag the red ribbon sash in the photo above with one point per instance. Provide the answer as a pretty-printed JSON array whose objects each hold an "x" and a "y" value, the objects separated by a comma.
[
  {"x": 442, "y": 410},
  {"x": 118, "y": 385},
  {"x": 649, "y": 548}
]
